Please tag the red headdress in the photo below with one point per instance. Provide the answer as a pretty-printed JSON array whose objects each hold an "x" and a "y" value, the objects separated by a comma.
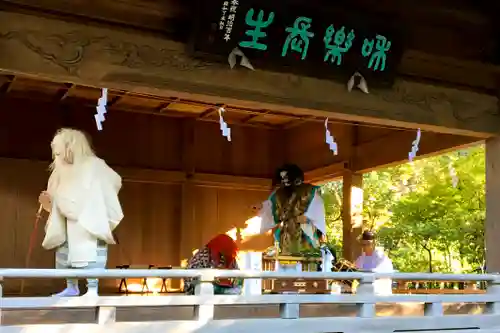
[{"x": 223, "y": 245}]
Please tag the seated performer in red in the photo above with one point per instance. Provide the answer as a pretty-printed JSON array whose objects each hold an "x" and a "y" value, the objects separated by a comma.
[{"x": 219, "y": 253}]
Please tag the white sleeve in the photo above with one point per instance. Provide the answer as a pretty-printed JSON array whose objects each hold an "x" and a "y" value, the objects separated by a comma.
[
  {"x": 266, "y": 216},
  {"x": 385, "y": 266},
  {"x": 110, "y": 186},
  {"x": 359, "y": 262},
  {"x": 316, "y": 213}
]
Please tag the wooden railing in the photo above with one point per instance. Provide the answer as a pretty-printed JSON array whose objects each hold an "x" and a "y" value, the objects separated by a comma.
[
  {"x": 439, "y": 287},
  {"x": 290, "y": 317},
  {"x": 400, "y": 287}
]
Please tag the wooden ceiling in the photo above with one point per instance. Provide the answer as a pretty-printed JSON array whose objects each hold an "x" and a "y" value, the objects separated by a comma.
[{"x": 19, "y": 88}]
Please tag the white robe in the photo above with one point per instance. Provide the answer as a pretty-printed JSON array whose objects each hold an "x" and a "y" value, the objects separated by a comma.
[
  {"x": 315, "y": 214},
  {"x": 378, "y": 262},
  {"x": 85, "y": 209}
]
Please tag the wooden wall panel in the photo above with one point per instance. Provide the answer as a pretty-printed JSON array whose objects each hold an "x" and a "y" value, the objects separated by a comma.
[
  {"x": 133, "y": 139},
  {"x": 29, "y": 130},
  {"x": 138, "y": 140},
  {"x": 20, "y": 184},
  {"x": 366, "y": 133},
  {"x": 250, "y": 152},
  {"x": 128, "y": 139},
  {"x": 307, "y": 148},
  {"x": 220, "y": 210},
  {"x": 147, "y": 235}
]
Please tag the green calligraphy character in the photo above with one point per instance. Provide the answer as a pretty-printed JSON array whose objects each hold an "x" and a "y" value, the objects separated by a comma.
[
  {"x": 256, "y": 33},
  {"x": 379, "y": 57},
  {"x": 340, "y": 45},
  {"x": 298, "y": 38}
]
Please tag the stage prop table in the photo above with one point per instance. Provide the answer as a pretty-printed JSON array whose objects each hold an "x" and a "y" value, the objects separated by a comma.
[{"x": 292, "y": 263}]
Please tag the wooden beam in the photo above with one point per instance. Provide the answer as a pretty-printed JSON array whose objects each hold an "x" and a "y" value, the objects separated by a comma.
[
  {"x": 116, "y": 98},
  {"x": 6, "y": 84},
  {"x": 20, "y": 104},
  {"x": 171, "y": 16},
  {"x": 232, "y": 182},
  {"x": 63, "y": 93},
  {"x": 393, "y": 149},
  {"x": 143, "y": 14},
  {"x": 164, "y": 106},
  {"x": 197, "y": 179},
  {"x": 151, "y": 176},
  {"x": 491, "y": 226},
  {"x": 190, "y": 238},
  {"x": 132, "y": 61},
  {"x": 325, "y": 174},
  {"x": 374, "y": 155},
  {"x": 469, "y": 74},
  {"x": 208, "y": 112},
  {"x": 134, "y": 175},
  {"x": 352, "y": 214}
]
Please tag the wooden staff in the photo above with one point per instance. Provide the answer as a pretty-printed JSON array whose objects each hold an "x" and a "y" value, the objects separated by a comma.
[{"x": 32, "y": 242}]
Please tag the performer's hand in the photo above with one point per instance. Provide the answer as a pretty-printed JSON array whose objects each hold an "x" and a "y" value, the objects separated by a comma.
[{"x": 45, "y": 200}]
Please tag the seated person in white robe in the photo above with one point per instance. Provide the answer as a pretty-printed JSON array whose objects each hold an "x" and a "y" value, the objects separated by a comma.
[
  {"x": 295, "y": 212},
  {"x": 82, "y": 198},
  {"x": 375, "y": 260}
]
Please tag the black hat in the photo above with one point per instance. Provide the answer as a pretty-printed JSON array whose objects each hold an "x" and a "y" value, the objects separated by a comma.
[{"x": 368, "y": 236}]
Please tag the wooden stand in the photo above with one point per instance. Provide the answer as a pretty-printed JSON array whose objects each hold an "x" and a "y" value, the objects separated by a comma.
[{"x": 301, "y": 286}]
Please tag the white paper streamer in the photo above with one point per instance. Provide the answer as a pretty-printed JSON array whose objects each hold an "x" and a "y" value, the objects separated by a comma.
[
  {"x": 243, "y": 62},
  {"x": 330, "y": 140},
  {"x": 414, "y": 148},
  {"x": 327, "y": 259},
  {"x": 226, "y": 131},
  {"x": 101, "y": 109},
  {"x": 362, "y": 85}
]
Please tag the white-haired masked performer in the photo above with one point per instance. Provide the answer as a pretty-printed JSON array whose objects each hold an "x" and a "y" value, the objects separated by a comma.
[{"x": 82, "y": 198}]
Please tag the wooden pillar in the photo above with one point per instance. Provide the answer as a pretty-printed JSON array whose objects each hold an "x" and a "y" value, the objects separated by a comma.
[
  {"x": 190, "y": 236},
  {"x": 492, "y": 223},
  {"x": 352, "y": 214}
]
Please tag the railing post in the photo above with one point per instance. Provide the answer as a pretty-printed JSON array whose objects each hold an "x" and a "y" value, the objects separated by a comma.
[
  {"x": 290, "y": 310},
  {"x": 366, "y": 288},
  {"x": 106, "y": 315},
  {"x": 494, "y": 289},
  {"x": 433, "y": 309},
  {"x": 205, "y": 287},
  {"x": 1, "y": 296}
]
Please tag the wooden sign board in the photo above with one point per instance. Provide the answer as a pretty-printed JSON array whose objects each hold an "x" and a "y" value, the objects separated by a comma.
[{"x": 297, "y": 38}]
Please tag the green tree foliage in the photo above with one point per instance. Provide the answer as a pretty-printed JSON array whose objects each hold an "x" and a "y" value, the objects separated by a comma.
[{"x": 429, "y": 214}]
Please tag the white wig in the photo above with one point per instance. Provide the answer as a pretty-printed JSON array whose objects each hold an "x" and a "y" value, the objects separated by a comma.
[{"x": 71, "y": 146}]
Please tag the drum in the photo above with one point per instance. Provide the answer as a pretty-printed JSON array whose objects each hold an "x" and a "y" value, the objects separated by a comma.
[{"x": 345, "y": 266}]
